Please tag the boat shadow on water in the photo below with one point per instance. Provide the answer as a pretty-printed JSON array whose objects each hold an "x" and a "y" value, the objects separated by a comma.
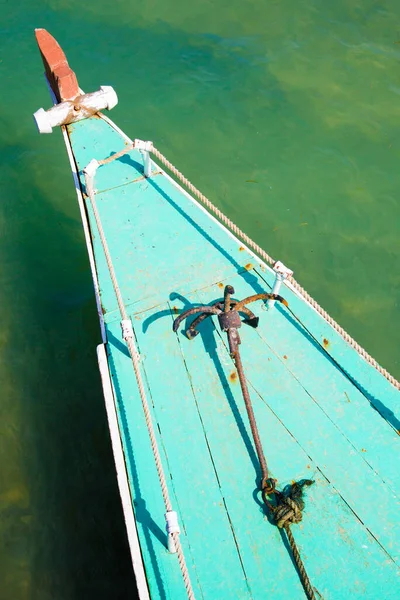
[{"x": 66, "y": 538}]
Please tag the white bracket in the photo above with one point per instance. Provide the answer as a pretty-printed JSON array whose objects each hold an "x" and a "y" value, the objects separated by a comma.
[
  {"x": 144, "y": 146},
  {"x": 172, "y": 526},
  {"x": 91, "y": 168},
  {"x": 70, "y": 111},
  {"x": 127, "y": 329},
  {"x": 146, "y": 163},
  {"x": 281, "y": 273},
  {"x": 127, "y": 333},
  {"x": 145, "y": 149},
  {"x": 90, "y": 172}
]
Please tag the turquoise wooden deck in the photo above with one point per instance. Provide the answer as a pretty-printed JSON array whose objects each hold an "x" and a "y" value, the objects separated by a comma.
[{"x": 323, "y": 412}]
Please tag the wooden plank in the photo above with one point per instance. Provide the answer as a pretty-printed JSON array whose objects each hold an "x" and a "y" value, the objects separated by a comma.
[
  {"x": 152, "y": 256},
  {"x": 208, "y": 534},
  {"x": 94, "y": 138},
  {"x": 348, "y": 407},
  {"x": 193, "y": 473},
  {"x": 344, "y": 467},
  {"x": 162, "y": 569},
  {"x": 266, "y": 561},
  {"x": 378, "y": 391},
  {"x": 225, "y": 422}
]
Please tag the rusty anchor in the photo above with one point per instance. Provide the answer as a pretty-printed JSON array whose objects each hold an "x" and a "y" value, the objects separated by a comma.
[
  {"x": 288, "y": 505},
  {"x": 228, "y": 313}
]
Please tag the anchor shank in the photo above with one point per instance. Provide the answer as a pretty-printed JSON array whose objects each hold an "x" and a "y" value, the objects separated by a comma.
[{"x": 250, "y": 414}]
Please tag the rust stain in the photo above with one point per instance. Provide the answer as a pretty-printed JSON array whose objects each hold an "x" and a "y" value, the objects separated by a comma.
[
  {"x": 241, "y": 248},
  {"x": 220, "y": 285},
  {"x": 285, "y": 357},
  {"x": 325, "y": 342},
  {"x": 175, "y": 309},
  {"x": 308, "y": 467},
  {"x": 233, "y": 376},
  {"x": 363, "y": 450},
  {"x": 248, "y": 266},
  {"x": 344, "y": 535},
  {"x": 348, "y": 399}
]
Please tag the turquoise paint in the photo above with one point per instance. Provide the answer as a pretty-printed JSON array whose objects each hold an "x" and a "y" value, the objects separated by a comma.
[
  {"x": 313, "y": 401},
  {"x": 382, "y": 395}
]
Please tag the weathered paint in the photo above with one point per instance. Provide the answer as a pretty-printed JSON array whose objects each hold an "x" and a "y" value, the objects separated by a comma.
[
  {"x": 82, "y": 107},
  {"x": 322, "y": 411},
  {"x": 61, "y": 77}
]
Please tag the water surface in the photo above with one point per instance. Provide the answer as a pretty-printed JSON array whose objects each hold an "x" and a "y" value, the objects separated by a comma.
[{"x": 287, "y": 115}]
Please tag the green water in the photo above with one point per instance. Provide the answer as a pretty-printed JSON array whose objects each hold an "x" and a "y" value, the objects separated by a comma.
[{"x": 287, "y": 115}]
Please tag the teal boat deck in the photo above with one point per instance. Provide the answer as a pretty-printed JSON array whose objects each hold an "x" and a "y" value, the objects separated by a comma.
[{"x": 323, "y": 412}]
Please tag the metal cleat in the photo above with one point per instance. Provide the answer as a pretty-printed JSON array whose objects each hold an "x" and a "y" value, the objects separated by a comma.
[{"x": 281, "y": 273}]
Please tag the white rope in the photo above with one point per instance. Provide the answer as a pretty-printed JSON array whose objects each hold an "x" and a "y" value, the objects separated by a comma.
[
  {"x": 238, "y": 232},
  {"x": 90, "y": 171}
]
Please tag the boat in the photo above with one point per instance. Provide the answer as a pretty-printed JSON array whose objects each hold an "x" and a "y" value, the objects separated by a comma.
[{"x": 256, "y": 444}]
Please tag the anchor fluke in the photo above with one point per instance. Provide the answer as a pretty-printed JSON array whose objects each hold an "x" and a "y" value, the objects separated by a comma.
[
  {"x": 227, "y": 311},
  {"x": 252, "y": 322}
]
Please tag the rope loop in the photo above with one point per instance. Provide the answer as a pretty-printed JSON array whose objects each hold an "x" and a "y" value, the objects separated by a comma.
[{"x": 268, "y": 486}]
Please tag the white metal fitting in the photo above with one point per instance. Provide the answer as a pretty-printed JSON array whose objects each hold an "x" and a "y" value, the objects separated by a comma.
[
  {"x": 127, "y": 329},
  {"x": 172, "y": 526},
  {"x": 145, "y": 146},
  {"x": 146, "y": 163},
  {"x": 281, "y": 273},
  {"x": 70, "y": 111},
  {"x": 280, "y": 269},
  {"x": 91, "y": 168}
]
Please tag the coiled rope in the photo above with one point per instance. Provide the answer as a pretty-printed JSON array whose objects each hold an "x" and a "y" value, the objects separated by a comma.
[
  {"x": 268, "y": 259},
  {"x": 89, "y": 180}
]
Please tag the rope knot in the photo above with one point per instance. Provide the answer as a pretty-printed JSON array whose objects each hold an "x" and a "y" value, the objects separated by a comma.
[
  {"x": 290, "y": 504},
  {"x": 287, "y": 512}
]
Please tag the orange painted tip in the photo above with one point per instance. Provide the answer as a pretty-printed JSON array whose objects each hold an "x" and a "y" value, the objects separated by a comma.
[
  {"x": 60, "y": 76},
  {"x": 284, "y": 302}
]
